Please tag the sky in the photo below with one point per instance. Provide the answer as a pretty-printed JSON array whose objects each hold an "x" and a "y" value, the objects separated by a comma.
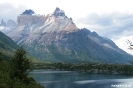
[{"x": 109, "y": 18}]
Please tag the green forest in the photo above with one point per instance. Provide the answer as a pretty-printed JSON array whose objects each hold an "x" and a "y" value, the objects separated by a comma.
[
  {"x": 14, "y": 72},
  {"x": 102, "y": 68},
  {"x": 105, "y": 68}
]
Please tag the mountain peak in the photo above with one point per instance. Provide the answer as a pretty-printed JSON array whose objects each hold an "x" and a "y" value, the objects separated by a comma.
[
  {"x": 94, "y": 34},
  {"x": 3, "y": 23},
  {"x": 59, "y": 12},
  {"x": 57, "y": 9},
  {"x": 28, "y": 12},
  {"x": 11, "y": 23}
]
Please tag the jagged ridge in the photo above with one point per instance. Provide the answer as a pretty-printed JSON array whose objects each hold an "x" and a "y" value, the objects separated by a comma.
[{"x": 56, "y": 38}]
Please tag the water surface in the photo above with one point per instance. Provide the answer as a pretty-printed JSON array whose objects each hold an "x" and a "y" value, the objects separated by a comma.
[{"x": 75, "y": 79}]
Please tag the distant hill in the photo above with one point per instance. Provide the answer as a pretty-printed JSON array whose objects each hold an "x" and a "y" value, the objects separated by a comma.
[
  {"x": 7, "y": 45},
  {"x": 56, "y": 38}
]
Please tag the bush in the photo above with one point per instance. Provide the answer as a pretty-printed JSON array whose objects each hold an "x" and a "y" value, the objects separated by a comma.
[{"x": 14, "y": 74}]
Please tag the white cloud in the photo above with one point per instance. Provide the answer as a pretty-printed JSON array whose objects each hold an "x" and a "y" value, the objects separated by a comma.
[
  {"x": 122, "y": 43},
  {"x": 109, "y": 25},
  {"x": 117, "y": 26},
  {"x": 10, "y": 11}
]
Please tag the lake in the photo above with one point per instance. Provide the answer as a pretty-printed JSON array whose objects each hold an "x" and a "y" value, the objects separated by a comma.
[{"x": 76, "y": 79}]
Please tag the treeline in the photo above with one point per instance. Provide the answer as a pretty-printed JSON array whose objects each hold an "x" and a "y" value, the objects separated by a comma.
[
  {"x": 14, "y": 72},
  {"x": 125, "y": 69}
]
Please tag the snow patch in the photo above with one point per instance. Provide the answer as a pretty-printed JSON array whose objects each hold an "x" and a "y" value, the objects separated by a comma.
[{"x": 2, "y": 28}]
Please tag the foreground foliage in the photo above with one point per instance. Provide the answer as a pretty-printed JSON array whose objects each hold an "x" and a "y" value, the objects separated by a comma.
[{"x": 14, "y": 74}]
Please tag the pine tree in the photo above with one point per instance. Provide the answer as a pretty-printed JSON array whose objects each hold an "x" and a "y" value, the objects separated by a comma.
[
  {"x": 1, "y": 57},
  {"x": 20, "y": 64}
]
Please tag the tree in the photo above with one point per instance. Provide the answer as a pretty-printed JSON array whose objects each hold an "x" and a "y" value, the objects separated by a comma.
[
  {"x": 0, "y": 56},
  {"x": 20, "y": 64},
  {"x": 130, "y": 44}
]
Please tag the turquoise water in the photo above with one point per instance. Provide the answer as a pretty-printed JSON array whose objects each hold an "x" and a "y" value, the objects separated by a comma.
[{"x": 75, "y": 79}]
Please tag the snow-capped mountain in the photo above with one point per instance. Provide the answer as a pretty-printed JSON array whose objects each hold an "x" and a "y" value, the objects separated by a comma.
[{"x": 55, "y": 37}]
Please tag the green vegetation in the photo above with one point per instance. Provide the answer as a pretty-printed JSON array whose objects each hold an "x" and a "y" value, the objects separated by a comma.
[
  {"x": 14, "y": 73},
  {"x": 7, "y": 46},
  {"x": 130, "y": 43},
  {"x": 7, "y": 43},
  {"x": 98, "y": 68},
  {"x": 52, "y": 53},
  {"x": 124, "y": 69}
]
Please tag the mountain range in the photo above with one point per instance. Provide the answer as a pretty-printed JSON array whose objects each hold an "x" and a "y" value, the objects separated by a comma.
[{"x": 55, "y": 38}]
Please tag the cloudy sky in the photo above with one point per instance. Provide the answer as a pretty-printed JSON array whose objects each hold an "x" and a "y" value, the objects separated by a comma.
[{"x": 109, "y": 18}]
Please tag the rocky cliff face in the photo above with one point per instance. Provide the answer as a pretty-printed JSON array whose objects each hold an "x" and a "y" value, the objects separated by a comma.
[
  {"x": 3, "y": 23},
  {"x": 11, "y": 23},
  {"x": 28, "y": 19},
  {"x": 59, "y": 12},
  {"x": 7, "y": 27},
  {"x": 36, "y": 25},
  {"x": 56, "y": 38}
]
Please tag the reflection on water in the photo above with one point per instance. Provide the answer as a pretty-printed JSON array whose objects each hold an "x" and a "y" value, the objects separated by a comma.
[{"x": 74, "y": 79}]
